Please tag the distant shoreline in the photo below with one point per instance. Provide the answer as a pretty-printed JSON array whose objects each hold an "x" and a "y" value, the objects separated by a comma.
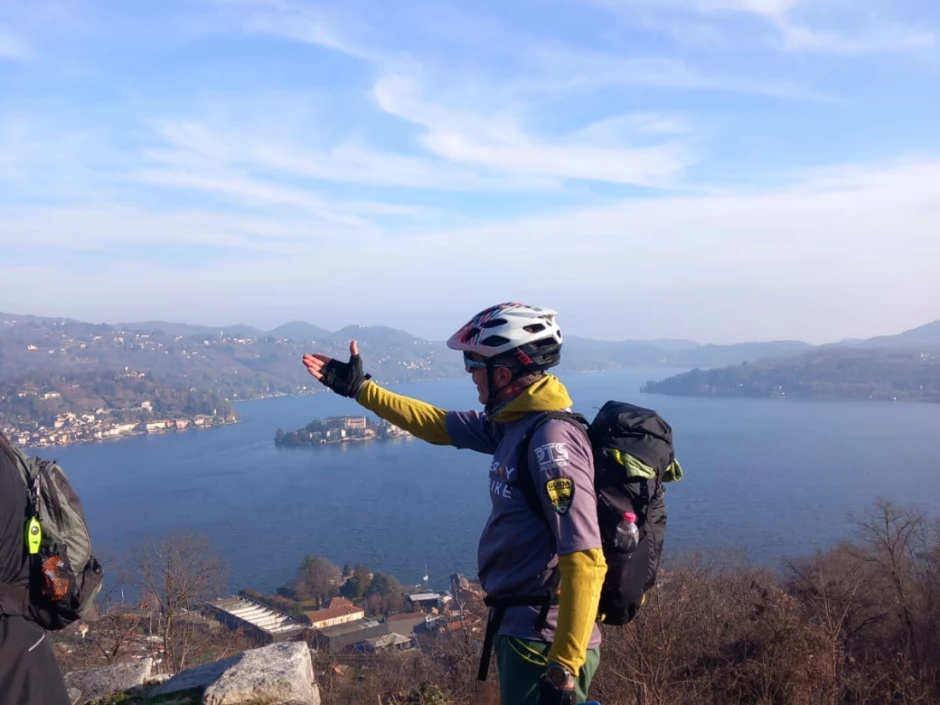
[
  {"x": 278, "y": 395},
  {"x": 125, "y": 436}
]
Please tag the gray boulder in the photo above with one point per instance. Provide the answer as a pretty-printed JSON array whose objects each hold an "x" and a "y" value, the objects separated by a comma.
[
  {"x": 96, "y": 683},
  {"x": 271, "y": 675},
  {"x": 199, "y": 677}
]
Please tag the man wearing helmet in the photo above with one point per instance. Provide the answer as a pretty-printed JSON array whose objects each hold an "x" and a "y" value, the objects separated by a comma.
[{"x": 542, "y": 572}]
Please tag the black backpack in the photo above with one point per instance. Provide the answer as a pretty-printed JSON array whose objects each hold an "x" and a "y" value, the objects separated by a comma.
[{"x": 633, "y": 457}]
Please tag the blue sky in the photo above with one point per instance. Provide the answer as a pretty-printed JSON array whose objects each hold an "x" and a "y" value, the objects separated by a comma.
[{"x": 720, "y": 170}]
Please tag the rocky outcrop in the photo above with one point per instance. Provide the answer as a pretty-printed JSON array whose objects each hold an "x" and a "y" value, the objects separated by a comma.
[
  {"x": 200, "y": 677},
  {"x": 97, "y": 683},
  {"x": 278, "y": 674}
]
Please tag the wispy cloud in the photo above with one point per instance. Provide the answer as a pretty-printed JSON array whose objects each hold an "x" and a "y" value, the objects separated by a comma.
[
  {"x": 130, "y": 233},
  {"x": 822, "y": 26},
  {"x": 457, "y": 149},
  {"x": 613, "y": 129},
  {"x": 558, "y": 69},
  {"x": 273, "y": 138},
  {"x": 356, "y": 163},
  {"x": 56, "y": 170},
  {"x": 195, "y": 145},
  {"x": 51, "y": 164},
  {"x": 12, "y": 47},
  {"x": 829, "y": 211},
  {"x": 496, "y": 142},
  {"x": 549, "y": 67},
  {"x": 884, "y": 37},
  {"x": 234, "y": 167},
  {"x": 766, "y": 8},
  {"x": 871, "y": 222},
  {"x": 303, "y": 22},
  {"x": 241, "y": 188}
]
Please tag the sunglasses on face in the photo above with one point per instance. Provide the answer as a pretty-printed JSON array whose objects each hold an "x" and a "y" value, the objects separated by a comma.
[{"x": 470, "y": 364}]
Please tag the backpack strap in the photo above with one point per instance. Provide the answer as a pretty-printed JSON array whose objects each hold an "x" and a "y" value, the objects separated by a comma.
[
  {"x": 526, "y": 481},
  {"x": 495, "y": 618}
]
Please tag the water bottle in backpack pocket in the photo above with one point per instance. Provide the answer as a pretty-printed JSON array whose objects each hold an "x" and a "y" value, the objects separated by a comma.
[
  {"x": 627, "y": 536},
  {"x": 631, "y": 549}
]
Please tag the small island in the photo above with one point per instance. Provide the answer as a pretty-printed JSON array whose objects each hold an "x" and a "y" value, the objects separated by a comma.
[{"x": 340, "y": 429}]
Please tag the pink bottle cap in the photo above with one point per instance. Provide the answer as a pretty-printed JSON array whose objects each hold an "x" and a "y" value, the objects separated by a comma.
[{"x": 630, "y": 517}]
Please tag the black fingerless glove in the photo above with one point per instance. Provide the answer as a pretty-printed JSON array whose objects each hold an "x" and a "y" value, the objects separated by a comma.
[{"x": 345, "y": 378}]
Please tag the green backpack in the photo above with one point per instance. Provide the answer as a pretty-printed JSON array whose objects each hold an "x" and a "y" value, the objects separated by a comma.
[{"x": 64, "y": 576}]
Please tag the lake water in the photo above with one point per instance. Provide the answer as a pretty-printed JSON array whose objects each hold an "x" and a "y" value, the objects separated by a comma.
[{"x": 768, "y": 476}]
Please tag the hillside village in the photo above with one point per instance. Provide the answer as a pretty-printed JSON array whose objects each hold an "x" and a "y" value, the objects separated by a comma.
[
  {"x": 339, "y": 629},
  {"x": 239, "y": 362},
  {"x": 48, "y": 409},
  {"x": 343, "y": 627}
]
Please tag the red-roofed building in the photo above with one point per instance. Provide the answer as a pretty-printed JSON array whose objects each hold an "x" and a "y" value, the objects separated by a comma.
[{"x": 339, "y": 611}]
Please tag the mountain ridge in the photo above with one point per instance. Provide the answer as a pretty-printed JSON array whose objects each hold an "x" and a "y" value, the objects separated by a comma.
[
  {"x": 300, "y": 330},
  {"x": 241, "y": 362}
]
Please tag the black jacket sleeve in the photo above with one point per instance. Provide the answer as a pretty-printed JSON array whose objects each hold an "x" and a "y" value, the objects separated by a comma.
[
  {"x": 29, "y": 673},
  {"x": 13, "y": 503}
]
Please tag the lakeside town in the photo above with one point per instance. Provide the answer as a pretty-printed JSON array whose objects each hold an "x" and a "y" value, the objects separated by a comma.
[{"x": 104, "y": 424}]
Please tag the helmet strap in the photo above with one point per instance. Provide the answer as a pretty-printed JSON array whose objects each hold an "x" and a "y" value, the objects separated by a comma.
[{"x": 491, "y": 390}]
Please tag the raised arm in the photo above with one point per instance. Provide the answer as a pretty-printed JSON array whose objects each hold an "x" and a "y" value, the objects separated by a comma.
[{"x": 423, "y": 420}]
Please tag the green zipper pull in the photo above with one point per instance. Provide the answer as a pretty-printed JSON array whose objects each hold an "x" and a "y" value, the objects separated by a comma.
[{"x": 33, "y": 535}]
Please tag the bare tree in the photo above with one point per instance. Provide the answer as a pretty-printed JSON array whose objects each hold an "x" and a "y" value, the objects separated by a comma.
[
  {"x": 115, "y": 631},
  {"x": 890, "y": 536},
  {"x": 108, "y": 633},
  {"x": 175, "y": 577}
]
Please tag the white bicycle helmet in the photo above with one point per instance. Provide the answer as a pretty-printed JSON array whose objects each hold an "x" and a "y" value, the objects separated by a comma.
[{"x": 526, "y": 338}]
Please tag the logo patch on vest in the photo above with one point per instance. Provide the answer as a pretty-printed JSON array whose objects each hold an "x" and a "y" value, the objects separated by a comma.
[
  {"x": 560, "y": 491},
  {"x": 552, "y": 456}
]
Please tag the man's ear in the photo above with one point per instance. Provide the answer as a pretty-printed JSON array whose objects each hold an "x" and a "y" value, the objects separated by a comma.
[{"x": 502, "y": 377}]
